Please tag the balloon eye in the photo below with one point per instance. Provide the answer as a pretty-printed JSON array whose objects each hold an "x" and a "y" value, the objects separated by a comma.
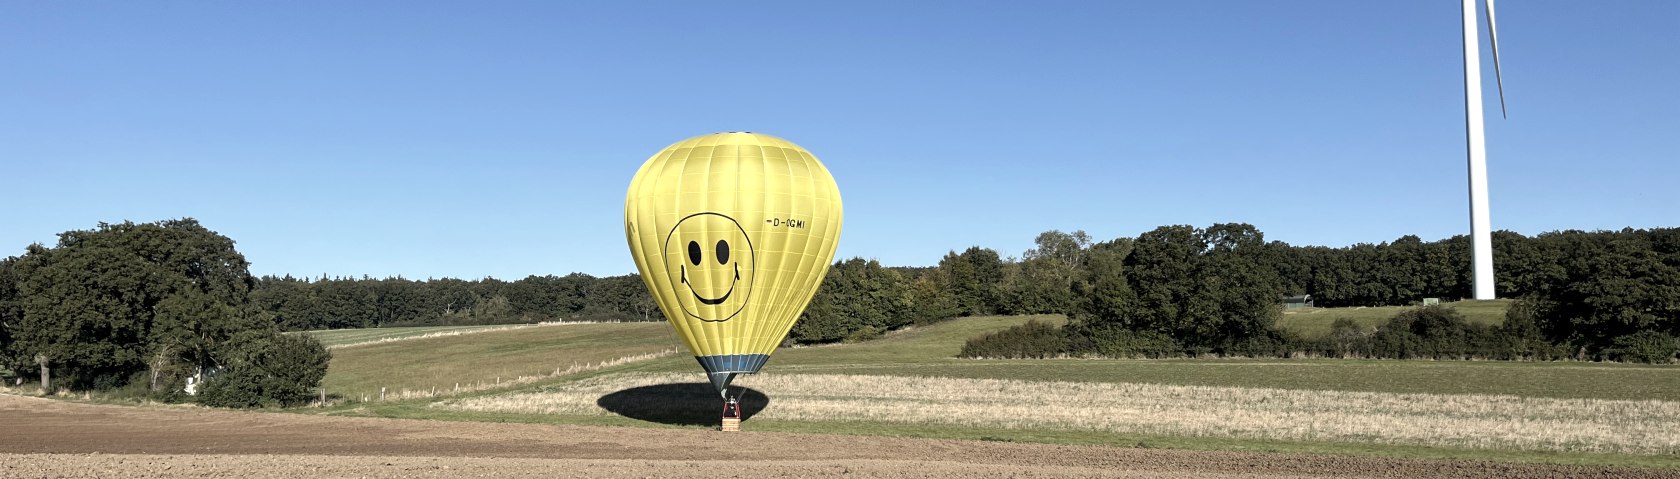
[
  {"x": 722, "y": 252},
  {"x": 694, "y": 253}
]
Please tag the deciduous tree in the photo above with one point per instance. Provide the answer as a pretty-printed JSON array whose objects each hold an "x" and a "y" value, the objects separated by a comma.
[{"x": 106, "y": 304}]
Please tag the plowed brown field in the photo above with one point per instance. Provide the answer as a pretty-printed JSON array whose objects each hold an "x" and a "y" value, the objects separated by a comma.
[{"x": 52, "y": 438}]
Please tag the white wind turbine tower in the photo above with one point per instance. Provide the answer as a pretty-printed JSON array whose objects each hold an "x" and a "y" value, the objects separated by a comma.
[{"x": 1481, "y": 238}]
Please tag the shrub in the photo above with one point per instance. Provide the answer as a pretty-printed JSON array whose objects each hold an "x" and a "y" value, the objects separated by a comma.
[
  {"x": 1643, "y": 347},
  {"x": 1435, "y": 332},
  {"x": 1429, "y": 332},
  {"x": 1121, "y": 343},
  {"x": 864, "y": 334},
  {"x": 1347, "y": 339},
  {"x": 264, "y": 369},
  {"x": 1520, "y": 337},
  {"x": 1035, "y": 339}
]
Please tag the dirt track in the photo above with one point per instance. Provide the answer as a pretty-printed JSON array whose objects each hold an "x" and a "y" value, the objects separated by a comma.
[{"x": 49, "y": 438}]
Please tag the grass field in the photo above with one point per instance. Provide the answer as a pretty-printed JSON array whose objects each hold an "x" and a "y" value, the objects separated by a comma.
[
  {"x": 909, "y": 383},
  {"x": 932, "y": 350},
  {"x": 338, "y": 338},
  {"x": 1315, "y": 322},
  {"x": 489, "y": 358}
]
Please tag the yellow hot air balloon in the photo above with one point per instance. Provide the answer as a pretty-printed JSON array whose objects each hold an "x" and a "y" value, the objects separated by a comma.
[{"x": 732, "y": 233}]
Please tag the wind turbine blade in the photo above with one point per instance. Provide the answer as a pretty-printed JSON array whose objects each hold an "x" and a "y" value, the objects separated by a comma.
[{"x": 1493, "y": 37}]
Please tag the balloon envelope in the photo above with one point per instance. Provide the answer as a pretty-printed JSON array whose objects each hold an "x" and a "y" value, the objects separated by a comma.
[{"x": 732, "y": 234}]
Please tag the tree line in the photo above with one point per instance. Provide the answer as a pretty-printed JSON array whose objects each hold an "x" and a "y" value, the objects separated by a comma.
[
  {"x": 295, "y": 304},
  {"x": 1180, "y": 290},
  {"x": 146, "y": 306}
]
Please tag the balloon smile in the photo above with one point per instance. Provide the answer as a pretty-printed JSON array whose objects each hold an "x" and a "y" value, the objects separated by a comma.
[{"x": 709, "y": 301}]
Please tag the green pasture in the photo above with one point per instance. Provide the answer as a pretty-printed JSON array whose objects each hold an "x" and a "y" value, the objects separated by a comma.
[
  {"x": 931, "y": 351},
  {"x": 1316, "y": 322},
  {"x": 340, "y": 337},
  {"x": 441, "y": 362},
  {"x": 444, "y": 363}
]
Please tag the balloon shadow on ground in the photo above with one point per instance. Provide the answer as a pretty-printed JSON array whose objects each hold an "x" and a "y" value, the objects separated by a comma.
[{"x": 687, "y": 404}]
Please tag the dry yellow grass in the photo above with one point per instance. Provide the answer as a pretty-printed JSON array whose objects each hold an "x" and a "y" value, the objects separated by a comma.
[{"x": 1465, "y": 421}]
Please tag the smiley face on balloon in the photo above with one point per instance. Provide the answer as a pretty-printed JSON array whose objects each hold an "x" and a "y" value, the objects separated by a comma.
[{"x": 713, "y": 261}]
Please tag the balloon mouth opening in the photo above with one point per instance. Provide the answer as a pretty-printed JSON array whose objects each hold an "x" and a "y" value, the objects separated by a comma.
[
  {"x": 721, "y": 382},
  {"x": 722, "y": 369}
]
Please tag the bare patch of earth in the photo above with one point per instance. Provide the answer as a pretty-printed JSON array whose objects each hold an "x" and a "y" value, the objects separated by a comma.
[{"x": 52, "y": 439}]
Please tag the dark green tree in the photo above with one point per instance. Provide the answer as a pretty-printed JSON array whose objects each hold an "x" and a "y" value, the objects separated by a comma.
[
  {"x": 346, "y": 304},
  {"x": 187, "y": 328},
  {"x": 1402, "y": 270},
  {"x": 328, "y": 303},
  {"x": 11, "y": 313},
  {"x": 1294, "y": 267},
  {"x": 1105, "y": 297},
  {"x": 1043, "y": 280},
  {"x": 975, "y": 277},
  {"x": 1618, "y": 284},
  {"x": 106, "y": 304},
  {"x": 288, "y": 303},
  {"x": 397, "y": 301},
  {"x": 858, "y": 299},
  {"x": 1245, "y": 291},
  {"x": 451, "y": 296},
  {"x": 1445, "y": 268},
  {"x": 543, "y": 298},
  {"x": 261, "y": 368},
  {"x": 1102, "y": 322},
  {"x": 625, "y": 298},
  {"x": 1521, "y": 335},
  {"x": 1208, "y": 289},
  {"x": 931, "y": 299},
  {"x": 1162, "y": 270},
  {"x": 1333, "y": 276}
]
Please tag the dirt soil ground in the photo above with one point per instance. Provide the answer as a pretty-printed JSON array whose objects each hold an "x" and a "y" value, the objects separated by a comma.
[{"x": 53, "y": 438}]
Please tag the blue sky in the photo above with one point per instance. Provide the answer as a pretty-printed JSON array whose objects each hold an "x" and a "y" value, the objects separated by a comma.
[{"x": 472, "y": 139}]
